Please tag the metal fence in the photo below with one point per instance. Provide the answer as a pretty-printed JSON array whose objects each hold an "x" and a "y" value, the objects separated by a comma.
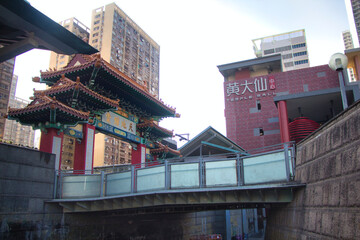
[{"x": 276, "y": 165}]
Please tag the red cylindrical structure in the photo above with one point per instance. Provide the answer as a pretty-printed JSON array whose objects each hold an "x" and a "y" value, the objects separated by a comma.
[
  {"x": 283, "y": 121},
  {"x": 302, "y": 127}
]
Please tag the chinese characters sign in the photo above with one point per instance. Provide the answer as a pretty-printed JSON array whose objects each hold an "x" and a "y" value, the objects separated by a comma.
[
  {"x": 116, "y": 131},
  {"x": 120, "y": 122},
  {"x": 248, "y": 89}
]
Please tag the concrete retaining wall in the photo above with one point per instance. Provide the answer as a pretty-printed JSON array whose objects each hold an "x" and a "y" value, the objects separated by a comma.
[
  {"x": 26, "y": 181},
  {"x": 328, "y": 161}
]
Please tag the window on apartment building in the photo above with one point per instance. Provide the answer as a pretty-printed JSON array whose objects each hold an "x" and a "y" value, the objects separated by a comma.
[
  {"x": 95, "y": 34},
  {"x": 300, "y": 53},
  {"x": 96, "y": 22},
  {"x": 282, "y": 49},
  {"x": 289, "y": 64},
  {"x": 287, "y": 56},
  {"x": 298, "y": 45},
  {"x": 3, "y": 96},
  {"x": 4, "y": 86},
  {"x": 95, "y": 40},
  {"x": 269, "y": 51},
  {"x": 97, "y": 16},
  {"x": 301, "y": 62},
  {"x": 96, "y": 28}
]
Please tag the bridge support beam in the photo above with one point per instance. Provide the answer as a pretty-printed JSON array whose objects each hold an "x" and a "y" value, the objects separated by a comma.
[{"x": 211, "y": 198}]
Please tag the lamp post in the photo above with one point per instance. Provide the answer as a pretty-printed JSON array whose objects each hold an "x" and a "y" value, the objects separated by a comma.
[{"x": 338, "y": 62}]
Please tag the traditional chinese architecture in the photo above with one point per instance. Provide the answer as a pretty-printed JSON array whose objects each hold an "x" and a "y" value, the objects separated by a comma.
[{"x": 90, "y": 96}]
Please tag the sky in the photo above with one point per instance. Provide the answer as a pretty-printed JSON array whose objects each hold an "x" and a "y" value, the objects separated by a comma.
[{"x": 195, "y": 36}]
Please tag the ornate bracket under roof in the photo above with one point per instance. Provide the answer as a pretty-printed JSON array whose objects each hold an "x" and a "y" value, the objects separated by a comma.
[{"x": 46, "y": 112}]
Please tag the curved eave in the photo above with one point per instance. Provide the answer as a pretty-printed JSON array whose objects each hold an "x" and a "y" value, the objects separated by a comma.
[
  {"x": 64, "y": 93},
  {"x": 170, "y": 152},
  {"x": 155, "y": 130},
  {"x": 42, "y": 115},
  {"x": 112, "y": 79}
]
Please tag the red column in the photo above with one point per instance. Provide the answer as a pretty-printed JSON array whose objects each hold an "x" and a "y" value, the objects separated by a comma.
[
  {"x": 283, "y": 121},
  {"x": 51, "y": 142},
  {"x": 84, "y": 150},
  {"x": 138, "y": 155}
]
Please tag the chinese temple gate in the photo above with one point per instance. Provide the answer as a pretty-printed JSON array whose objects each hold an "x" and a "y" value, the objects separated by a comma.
[{"x": 90, "y": 96}]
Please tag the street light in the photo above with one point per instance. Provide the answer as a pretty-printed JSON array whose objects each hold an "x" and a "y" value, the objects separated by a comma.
[{"x": 338, "y": 62}]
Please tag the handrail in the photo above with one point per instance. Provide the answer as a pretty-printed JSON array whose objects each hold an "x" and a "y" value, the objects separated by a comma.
[{"x": 276, "y": 165}]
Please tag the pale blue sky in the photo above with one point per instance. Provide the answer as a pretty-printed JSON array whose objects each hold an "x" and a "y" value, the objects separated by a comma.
[{"x": 197, "y": 35}]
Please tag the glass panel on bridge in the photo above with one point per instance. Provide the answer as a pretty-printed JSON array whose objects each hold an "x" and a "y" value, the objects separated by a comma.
[
  {"x": 219, "y": 173},
  {"x": 184, "y": 175},
  {"x": 152, "y": 178},
  {"x": 81, "y": 186},
  {"x": 118, "y": 183},
  {"x": 265, "y": 168}
]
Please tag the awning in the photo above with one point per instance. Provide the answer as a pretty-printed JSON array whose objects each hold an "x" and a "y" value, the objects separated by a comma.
[{"x": 23, "y": 28}]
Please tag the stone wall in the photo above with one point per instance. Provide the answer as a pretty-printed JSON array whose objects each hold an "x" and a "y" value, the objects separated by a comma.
[
  {"x": 328, "y": 207},
  {"x": 26, "y": 181}
]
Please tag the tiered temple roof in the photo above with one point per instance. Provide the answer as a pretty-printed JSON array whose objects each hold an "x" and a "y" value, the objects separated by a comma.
[
  {"x": 45, "y": 111},
  {"x": 102, "y": 77},
  {"x": 78, "y": 96}
]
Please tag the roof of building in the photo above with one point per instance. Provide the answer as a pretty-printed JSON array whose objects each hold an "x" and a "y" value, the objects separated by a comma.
[
  {"x": 77, "y": 95},
  {"x": 23, "y": 28},
  {"x": 163, "y": 149},
  {"x": 216, "y": 144},
  {"x": 45, "y": 111},
  {"x": 154, "y": 130},
  {"x": 107, "y": 80},
  {"x": 268, "y": 61}
]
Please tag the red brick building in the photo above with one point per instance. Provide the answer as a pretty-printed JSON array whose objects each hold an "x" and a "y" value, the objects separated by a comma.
[{"x": 261, "y": 100}]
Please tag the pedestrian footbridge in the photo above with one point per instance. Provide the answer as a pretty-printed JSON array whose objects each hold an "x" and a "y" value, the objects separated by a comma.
[{"x": 237, "y": 179}]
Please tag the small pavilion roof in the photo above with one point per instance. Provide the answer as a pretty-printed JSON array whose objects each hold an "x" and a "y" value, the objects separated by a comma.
[
  {"x": 23, "y": 28},
  {"x": 111, "y": 82},
  {"x": 161, "y": 149},
  {"x": 154, "y": 130},
  {"x": 44, "y": 111},
  {"x": 216, "y": 143},
  {"x": 75, "y": 94}
]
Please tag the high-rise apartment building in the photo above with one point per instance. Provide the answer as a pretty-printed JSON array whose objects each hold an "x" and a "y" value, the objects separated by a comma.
[
  {"x": 59, "y": 61},
  {"x": 15, "y": 131},
  {"x": 348, "y": 41},
  {"x": 355, "y": 4},
  {"x": 349, "y": 44},
  {"x": 126, "y": 46},
  {"x": 6, "y": 73},
  {"x": 291, "y": 45}
]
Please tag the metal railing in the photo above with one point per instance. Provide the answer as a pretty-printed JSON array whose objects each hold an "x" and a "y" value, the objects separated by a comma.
[{"x": 232, "y": 170}]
